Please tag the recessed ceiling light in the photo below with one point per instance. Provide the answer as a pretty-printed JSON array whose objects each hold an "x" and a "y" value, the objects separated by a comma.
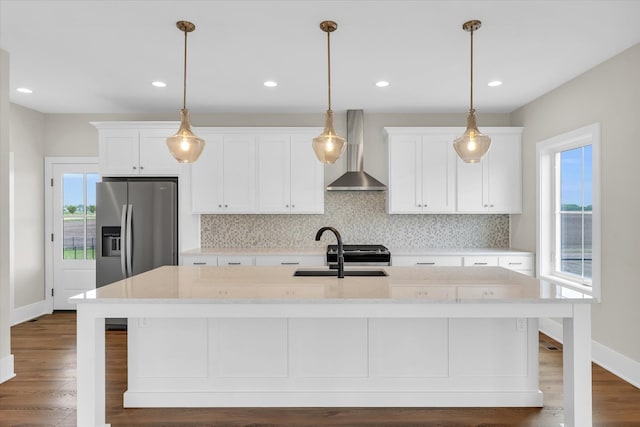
[
  {"x": 270, "y": 83},
  {"x": 382, "y": 83},
  {"x": 24, "y": 90},
  {"x": 495, "y": 83},
  {"x": 159, "y": 84}
]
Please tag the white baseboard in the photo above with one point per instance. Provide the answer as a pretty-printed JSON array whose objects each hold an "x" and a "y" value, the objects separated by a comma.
[
  {"x": 227, "y": 399},
  {"x": 614, "y": 362},
  {"x": 6, "y": 368},
  {"x": 28, "y": 312}
]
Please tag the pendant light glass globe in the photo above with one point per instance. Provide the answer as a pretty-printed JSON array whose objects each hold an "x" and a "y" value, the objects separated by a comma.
[
  {"x": 185, "y": 146},
  {"x": 328, "y": 146},
  {"x": 473, "y": 144}
]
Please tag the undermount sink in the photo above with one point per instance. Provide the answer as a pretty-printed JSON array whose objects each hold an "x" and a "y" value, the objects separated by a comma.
[{"x": 334, "y": 273}]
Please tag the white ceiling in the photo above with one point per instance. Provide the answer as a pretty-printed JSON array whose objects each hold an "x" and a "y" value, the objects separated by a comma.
[{"x": 100, "y": 56}]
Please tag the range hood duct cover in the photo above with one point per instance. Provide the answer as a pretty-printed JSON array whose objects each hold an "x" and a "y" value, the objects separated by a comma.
[{"x": 355, "y": 179}]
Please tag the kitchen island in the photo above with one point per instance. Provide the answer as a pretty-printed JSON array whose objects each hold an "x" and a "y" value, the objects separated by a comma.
[{"x": 258, "y": 336}]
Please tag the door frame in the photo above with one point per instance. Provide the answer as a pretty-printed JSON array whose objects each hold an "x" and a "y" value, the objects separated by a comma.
[{"x": 48, "y": 219}]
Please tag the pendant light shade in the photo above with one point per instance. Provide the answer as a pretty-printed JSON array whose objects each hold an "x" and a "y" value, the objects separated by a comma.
[
  {"x": 185, "y": 146},
  {"x": 473, "y": 144},
  {"x": 328, "y": 146}
]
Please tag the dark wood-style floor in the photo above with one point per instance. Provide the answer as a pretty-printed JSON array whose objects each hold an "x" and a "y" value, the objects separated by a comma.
[{"x": 44, "y": 393}]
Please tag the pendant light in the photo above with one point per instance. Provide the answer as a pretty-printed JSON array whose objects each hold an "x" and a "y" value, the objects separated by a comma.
[
  {"x": 328, "y": 146},
  {"x": 185, "y": 146},
  {"x": 472, "y": 145}
]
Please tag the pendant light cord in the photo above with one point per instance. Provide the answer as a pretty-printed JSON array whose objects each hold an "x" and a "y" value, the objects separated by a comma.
[
  {"x": 329, "y": 66},
  {"x": 184, "y": 95},
  {"x": 471, "y": 79}
]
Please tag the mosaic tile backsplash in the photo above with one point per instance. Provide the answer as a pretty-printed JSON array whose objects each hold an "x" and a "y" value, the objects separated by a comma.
[{"x": 360, "y": 217}]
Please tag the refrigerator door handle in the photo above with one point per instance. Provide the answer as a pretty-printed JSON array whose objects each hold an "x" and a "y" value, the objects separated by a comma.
[
  {"x": 129, "y": 240},
  {"x": 123, "y": 241}
]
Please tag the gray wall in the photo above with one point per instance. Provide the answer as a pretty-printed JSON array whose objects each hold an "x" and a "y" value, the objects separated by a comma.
[
  {"x": 608, "y": 94},
  {"x": 5, "y": 226},
  {"x": 27, "y": 141}
]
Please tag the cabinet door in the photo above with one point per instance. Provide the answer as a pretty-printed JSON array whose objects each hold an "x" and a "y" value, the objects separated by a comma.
[
  {"x": 206, "y": 177},
  {"x": 405, "y": 174},
  {"x": 307, "y": 177},
  {"x": 274, "y": 174},
  {"x": 239, "y": 174},
  {"x": 438, "y": 173},
  {"x": 155, "y": 158},
  {"x": 470, "y": 185},
  {"x": 118, "y": 152},
  {"x": 504, "y": 183}
]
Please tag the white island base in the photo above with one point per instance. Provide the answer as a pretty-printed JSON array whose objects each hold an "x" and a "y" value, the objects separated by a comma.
[
  {"x": 257, "y": 362},
  {"x": 258, "y": 336}
]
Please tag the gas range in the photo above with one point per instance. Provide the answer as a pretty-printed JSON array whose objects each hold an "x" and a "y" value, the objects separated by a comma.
[{"x": 360, "y": 255}]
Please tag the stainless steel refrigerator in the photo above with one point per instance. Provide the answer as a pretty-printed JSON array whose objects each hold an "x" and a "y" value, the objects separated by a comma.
[{"x": 137, "y": 225}]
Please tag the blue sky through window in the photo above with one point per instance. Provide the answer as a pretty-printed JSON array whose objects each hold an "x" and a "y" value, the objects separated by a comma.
[{"x": 576, "y": 176}]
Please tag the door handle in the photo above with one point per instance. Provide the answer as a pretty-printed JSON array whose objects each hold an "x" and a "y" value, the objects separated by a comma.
[
  {"x": 123, "y": 241},
  {"x": 129, "y": 240}
]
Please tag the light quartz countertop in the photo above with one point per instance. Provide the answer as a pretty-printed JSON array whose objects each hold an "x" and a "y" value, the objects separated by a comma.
[
  {"x": 263, "y": 285},
  {"x": 323, "y": 249}
]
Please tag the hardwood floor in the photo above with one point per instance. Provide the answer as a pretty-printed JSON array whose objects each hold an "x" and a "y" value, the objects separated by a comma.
[{"x": 43, "y": 393}]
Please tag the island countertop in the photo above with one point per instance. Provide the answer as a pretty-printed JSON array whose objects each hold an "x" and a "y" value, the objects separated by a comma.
[{"x": 260, "y": 285}]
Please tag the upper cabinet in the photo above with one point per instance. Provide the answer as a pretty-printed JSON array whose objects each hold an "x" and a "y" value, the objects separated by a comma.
[
  {"x": 223, "y": 178},
  {"x": 257, "y": 170},
  {"x": 290, "y": 177},
  {"x": 495, "y": 184},
  {"x": 422, "y": 170},
  {"x": 136, "y": 148},
  {"x": 426, "y": 176}
]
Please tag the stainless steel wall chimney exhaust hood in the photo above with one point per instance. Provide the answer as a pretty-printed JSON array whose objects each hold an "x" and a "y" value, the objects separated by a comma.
[{"x": 355, "y": 179}]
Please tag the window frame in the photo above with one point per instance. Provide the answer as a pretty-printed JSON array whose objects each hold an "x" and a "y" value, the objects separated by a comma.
[{"x": 547, "y": 189}]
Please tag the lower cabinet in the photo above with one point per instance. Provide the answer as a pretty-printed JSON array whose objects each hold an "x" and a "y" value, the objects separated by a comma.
[
  {"x": 522, "y": 263},
  {"x": 246, "y": 260},
  {"x": 301, "y": 260},
  {"x": 200, "y": 260}
]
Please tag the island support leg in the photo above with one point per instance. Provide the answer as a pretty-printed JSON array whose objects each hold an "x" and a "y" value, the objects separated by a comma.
[
  {"x": 577, "y": 367},
  {"x": 90, "y": 344}
]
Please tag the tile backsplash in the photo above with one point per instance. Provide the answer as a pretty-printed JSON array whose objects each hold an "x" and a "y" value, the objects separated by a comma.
[{"x": 360, "y": 217}]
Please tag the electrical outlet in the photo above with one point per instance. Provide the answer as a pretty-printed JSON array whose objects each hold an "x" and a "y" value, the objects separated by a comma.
[{"x": 521, "y": 324}]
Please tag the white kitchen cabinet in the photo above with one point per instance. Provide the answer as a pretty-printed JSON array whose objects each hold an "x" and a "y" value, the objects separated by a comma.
[
  {"x": 290, "y": 178},
  {"x": 227, "y": 260},
  {"x": 210, "y": 260},
  {"x": 480, "y": 261},
  {"x": 301, "y": 260},
  {"x": 223, "y": 178},
  {"x": 422, "y": 171},
  {"x": 427, "y": 260},
  {"x": 495, "y": 184},
  {"x": 520, "y": 263},
  {"x": 135, "y": 148}
]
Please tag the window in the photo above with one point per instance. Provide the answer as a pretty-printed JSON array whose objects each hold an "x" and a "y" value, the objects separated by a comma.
[
  {"x": 569, "y": 209},
  {"x": 79, "y": 215}
]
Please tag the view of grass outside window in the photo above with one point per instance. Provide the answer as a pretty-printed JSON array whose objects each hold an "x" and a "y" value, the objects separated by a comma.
[
  {"x": 79, "y": 216},
  {"x": 574, "y": 212}
]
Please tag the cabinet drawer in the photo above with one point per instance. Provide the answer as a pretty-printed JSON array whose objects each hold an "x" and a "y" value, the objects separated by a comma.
[
  {"x": 488, "y": 292},
  {"x": 199, "y": 260},
  {"x": 481, "y": 261},
  {"x": 302, "y": 260},
  {"x": 422, "y": 292},
  {"x": 224, "y": 260},
  {"x": 516, "y": 262},
  {"x": 435, "y": 260}
]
